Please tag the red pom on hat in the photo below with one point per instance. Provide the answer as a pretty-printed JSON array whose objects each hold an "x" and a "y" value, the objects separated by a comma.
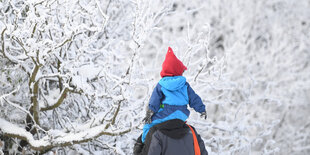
[{"x": 172, "y": 66}]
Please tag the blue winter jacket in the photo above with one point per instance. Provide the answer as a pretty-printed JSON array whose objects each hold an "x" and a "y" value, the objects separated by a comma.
[
  {"x": 169, "y": 101},
  {"x": 174, "y": 93}
]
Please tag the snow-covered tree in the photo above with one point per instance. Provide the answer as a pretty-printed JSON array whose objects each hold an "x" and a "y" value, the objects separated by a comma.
[
  {"x": 77, "y": 75},
  {"x": 67, "y": 72}
]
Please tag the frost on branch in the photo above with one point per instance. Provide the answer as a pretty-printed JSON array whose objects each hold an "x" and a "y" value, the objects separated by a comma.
[
  {"x": 69, "y": 68},
  {"x": 79, "y": 73},
  {"x": 249, "y": 61}
]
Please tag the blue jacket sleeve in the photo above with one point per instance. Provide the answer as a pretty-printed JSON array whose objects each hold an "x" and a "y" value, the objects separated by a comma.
[
  {"x": 194, "y": 100},
  {"x": 156, "y": 98}
]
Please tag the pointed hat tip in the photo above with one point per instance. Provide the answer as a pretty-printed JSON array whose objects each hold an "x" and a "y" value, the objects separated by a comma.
[{"x": 170, "y": 49}]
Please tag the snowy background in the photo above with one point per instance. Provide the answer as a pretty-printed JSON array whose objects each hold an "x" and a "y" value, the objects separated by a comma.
[{"x": 76, "y": 75}]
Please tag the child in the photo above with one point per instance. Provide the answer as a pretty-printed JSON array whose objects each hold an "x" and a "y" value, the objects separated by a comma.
[{"x": 171, "y": 95}]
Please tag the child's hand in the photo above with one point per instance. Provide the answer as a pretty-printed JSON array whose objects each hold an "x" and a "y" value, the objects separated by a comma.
[
  {"x": 147, "y": 120},
  {"x": 203, "y": 115},
  {"x": 148, "y": 117}
]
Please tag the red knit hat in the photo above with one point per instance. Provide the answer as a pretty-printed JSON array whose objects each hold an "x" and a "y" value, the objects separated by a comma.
[{"x": 172, "y": 66}]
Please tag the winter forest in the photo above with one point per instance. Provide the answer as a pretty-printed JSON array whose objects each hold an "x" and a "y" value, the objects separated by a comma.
[{"x": 77, "y": 75}]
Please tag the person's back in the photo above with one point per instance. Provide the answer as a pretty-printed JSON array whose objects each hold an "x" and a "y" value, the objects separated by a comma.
[{"x": 169, "y": 138}]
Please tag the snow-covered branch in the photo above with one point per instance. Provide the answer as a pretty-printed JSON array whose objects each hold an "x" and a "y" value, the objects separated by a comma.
[
  {"x": 75, "y": 72},
  {"x": 59, "y": 140}
]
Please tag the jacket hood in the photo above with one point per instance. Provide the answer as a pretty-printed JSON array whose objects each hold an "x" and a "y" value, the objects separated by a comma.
[
  {"x": 175, "y": 128},
  {"x": 172, "y": 82}
]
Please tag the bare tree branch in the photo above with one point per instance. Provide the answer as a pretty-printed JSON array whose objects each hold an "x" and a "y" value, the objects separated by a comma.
[{"x": 58, "y": 102}]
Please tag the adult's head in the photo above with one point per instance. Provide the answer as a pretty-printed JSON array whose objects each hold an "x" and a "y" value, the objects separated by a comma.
[{"x": 170, "y": 137}]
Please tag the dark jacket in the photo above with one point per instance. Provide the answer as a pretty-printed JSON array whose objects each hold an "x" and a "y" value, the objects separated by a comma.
[{"x": 169, "y": 138}]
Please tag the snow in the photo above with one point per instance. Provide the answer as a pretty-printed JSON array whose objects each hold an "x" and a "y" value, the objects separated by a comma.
[
  {"x": 55, "y": 137},
  {"x": 9, "y": 128},
  {"x": 248, "y": 60}
]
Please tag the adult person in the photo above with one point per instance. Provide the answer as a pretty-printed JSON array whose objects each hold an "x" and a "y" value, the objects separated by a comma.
[{"x": 173, "y": 137}]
